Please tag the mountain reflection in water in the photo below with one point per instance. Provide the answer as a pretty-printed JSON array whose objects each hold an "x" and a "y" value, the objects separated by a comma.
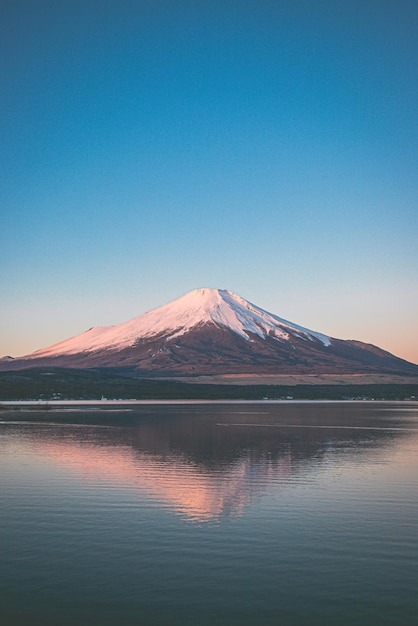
[{"x": 208, "y": 463}]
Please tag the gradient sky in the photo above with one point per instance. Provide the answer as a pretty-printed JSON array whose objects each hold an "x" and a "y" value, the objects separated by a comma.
[{"x": 153, "y": 147}]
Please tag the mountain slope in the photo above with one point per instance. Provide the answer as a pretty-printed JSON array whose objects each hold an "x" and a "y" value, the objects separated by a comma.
[
  {"x": 213, "y": 331},
  {"x": 196, "y": 308}
]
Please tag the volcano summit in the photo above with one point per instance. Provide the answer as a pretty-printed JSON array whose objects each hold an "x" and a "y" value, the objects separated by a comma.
[{"x": 213, "y": 331}]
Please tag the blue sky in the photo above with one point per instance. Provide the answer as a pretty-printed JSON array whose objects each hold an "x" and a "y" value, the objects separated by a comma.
[{"x": 150, "y": 148}]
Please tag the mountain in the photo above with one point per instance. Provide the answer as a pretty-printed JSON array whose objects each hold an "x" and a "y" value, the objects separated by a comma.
[{"x": 213, "y": 331}]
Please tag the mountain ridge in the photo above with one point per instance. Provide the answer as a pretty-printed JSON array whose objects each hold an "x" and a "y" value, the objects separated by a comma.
[{"x": 213, "y": 331}]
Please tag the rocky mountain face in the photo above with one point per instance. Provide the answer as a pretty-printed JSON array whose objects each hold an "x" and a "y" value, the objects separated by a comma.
[{"x": 213, "y": 331}]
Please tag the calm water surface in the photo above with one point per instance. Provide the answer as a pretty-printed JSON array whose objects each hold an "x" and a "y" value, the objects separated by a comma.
[{"x": 235, "y": 514}]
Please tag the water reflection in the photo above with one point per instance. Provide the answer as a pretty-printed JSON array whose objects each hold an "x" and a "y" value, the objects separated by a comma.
[{"x": 211, "y": 462}]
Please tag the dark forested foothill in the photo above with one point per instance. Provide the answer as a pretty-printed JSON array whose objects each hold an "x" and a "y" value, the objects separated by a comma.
[{"x": 78, "y": 384}]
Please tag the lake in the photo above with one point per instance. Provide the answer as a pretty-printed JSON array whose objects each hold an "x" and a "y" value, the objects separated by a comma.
[{"x": 210, "y": 514}]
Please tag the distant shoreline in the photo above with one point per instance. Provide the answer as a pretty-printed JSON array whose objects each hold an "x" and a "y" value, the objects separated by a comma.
[
  {"x": 53, "y": 385},
  {"x": 59, "y": 404}
]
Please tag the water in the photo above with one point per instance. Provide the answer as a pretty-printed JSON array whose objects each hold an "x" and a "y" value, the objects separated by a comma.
[{"x": 235, "y": 514}]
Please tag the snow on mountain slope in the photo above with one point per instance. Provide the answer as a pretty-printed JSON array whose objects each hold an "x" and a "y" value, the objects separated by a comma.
[{"x": 201, "y": 306}]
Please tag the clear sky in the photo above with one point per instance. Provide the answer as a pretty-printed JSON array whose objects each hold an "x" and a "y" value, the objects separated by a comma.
[{"x": 152, "y": 147}]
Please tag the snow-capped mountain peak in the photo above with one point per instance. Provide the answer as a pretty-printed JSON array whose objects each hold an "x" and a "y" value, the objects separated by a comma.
[
  {"x": 200, "y": 306},
  {"x": 208, "y": 332}
]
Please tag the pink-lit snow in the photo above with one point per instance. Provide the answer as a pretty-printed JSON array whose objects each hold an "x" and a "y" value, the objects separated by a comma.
[{"x": 197, "y": 307}]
